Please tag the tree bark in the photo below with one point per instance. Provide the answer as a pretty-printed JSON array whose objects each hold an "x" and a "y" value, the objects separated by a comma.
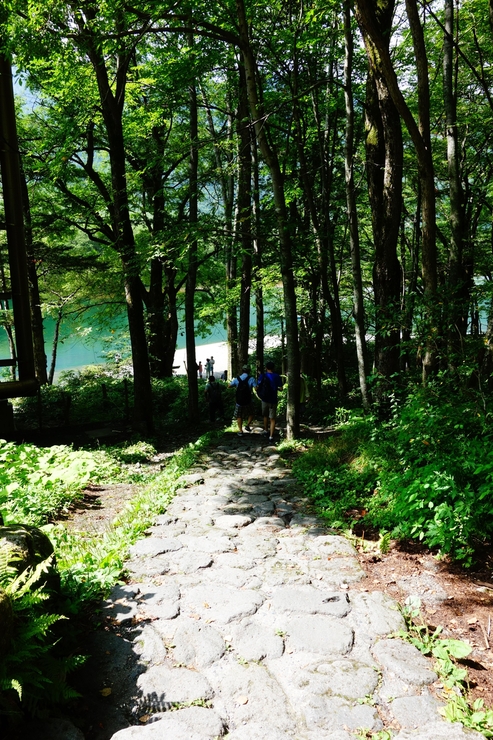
[
  {"x": 40, "y": 361},
  {"x": 193, "y": 395},
  {"x": 272, "y": 162},
  {"x": 420, "y": 135},
  {"x": 257, "y": 250},
  {"x": 227, "y": 182},
  {"x": 112, "y": 109},
  {"x": 244, "y": 217},
  {"x": 458, "y": 294},
  {"x": 358, "y": 306}
]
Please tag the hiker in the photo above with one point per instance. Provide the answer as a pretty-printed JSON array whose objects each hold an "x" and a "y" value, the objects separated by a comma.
[
  {"x": 200, "y": 369},
  {"x": 267, "y": 387},
  {"x": 243, "y": 409},
  {"x": 213, "y": 395},
  {"x": 212, "y": 362},
  {"x": 208, "y": 372}
]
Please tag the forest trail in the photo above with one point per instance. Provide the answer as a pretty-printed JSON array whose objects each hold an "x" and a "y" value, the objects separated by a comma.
[{"x": 240, "y": 620}]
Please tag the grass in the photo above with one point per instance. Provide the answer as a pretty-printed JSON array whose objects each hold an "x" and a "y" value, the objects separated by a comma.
[{"x": 42, "y": 652}]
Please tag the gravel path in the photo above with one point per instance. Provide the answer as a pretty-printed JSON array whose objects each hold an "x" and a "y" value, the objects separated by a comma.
[{"x": 240, "y": 622}]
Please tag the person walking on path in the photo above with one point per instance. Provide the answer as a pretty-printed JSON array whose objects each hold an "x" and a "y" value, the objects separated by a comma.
[
  {"x": 213, "y": 395},
  {"x": 267, "y": 387},
  {"x": 212, "y": 363},
  {"x": 208, "y": 370},
  {"x": 200, "y": 369},
  {"x": 243, "y": 409}
]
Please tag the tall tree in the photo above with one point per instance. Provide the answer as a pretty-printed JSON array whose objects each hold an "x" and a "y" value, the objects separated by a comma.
[
  {"x": 384, "y": 158},
  {"x": 272, "y": 161},
  {"x": 358, "y": 303},
  {"x": 376, "y": 38},
  {"x": 193, "y": 399}
]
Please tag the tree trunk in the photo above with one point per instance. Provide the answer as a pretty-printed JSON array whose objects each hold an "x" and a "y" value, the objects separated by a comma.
[
  {"x": 193, "y": 395},
  {"x": 384, "y": 156},
  {"x": 230, "y": 260},
  {"x": 420, "y": 135},
  {"x": 54, "y": 350},
  {"x": 358, "y": 306},
  {"x": 112, "y": 110},
  {"x": 272, "y": 162},
  {"x": 40, "y": 360},
  {"x": 171, "y": 320},
  {"x": 243, "y": 228},
  {"x": 325, "y": 242},
  {"x": 257, "y": 250},
  {"x": 458, "y": 294}
]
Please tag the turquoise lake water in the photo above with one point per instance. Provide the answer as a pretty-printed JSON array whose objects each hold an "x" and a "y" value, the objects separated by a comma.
[{"x": 88, "y": 344}]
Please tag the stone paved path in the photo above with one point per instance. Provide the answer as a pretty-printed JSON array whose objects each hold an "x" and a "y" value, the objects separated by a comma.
[{"x": 245, "y": 625}]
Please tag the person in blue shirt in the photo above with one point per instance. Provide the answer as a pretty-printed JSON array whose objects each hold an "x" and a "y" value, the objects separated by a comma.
[
  {"x": 268, "y": 385},
  {"x": 244, "y": 408}
]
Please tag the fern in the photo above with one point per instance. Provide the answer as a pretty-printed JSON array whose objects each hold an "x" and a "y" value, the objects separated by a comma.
[{"x": 30, "y": 668}]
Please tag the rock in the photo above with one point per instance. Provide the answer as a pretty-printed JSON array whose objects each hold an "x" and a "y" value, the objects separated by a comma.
[
  {"x": 439, "y": 731},
  {"x": 154, "y": 546},
  {"x": 310, "y": 600},
  {"x": 232, "y": 521},
  {"x": 185, "y": 562},
  {"x": 149, "y": 646},
  {"x": 250, "y": 697},
  {"x": 425, "y": 587},
  {"x": 222, "y": 604},
  {"x": 197, "y": 645},
  {"x": 348, "y": 679},
  {"x": 212, "y": 544},
  {"x": 334, "y": 713},
  {"x": 160, "y": 602},
  {"x": 27, "y": 547},
  {"x": 205, "y": 722},
  {"x": 317, "y": 633},
  {"x": 161, "y": 687},
  {"x": 161, "y": 730},
  {"x": 191, "y": 479},
  {"x": 253, "y": 641},
  {"x": 375, "y": 613},
  {"x": 405, "y": 661},
  {"x": 412, "y": 711}
]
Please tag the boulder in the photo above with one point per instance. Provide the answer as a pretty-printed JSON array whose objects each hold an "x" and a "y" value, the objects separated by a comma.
[{"x": 26, "y": 547}]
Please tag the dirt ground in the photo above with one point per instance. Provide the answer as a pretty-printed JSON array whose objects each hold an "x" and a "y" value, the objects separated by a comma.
[{"x": 459, "y": 600}]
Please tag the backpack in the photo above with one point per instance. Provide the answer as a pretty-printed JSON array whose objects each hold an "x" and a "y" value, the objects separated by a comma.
[
  {"x": 264, "y": 387},
  {"x": 243, "y": 392},
  {"x": 214, "y": 392}
]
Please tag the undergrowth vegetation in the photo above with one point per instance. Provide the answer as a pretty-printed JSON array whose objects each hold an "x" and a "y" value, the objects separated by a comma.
[
  {"x": 37, "y": 484},
  {"x": 98, "y": 395},
  {"x": 453, "y": 674},
  {"x": 425, "y": 472}
]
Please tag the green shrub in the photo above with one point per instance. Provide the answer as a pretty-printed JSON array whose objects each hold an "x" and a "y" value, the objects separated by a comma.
[
  {"x": 426, "y": 472},
  {"x": 38, "y": 482}
]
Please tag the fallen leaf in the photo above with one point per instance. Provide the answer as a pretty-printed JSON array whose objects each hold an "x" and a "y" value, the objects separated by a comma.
[
  {"x": 105, "y": 692},
  {"x": 144, "y": 718}
]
